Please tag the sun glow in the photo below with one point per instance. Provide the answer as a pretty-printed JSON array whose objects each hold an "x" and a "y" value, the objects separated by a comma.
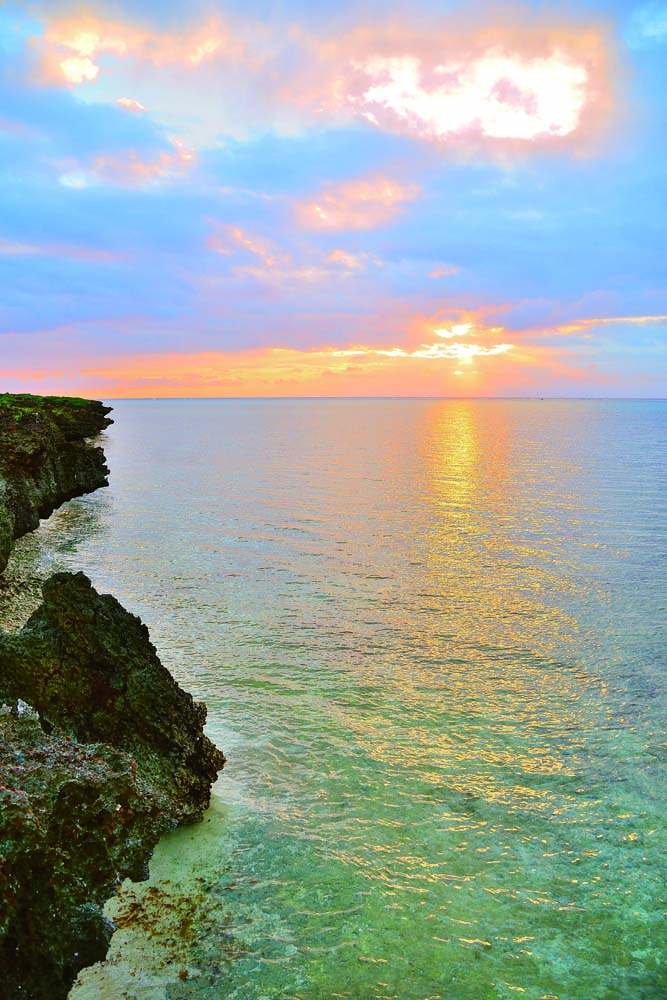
[
  {"x": 456, "y": 330},
  {"x": 490, "y": 361},
  {"x": 357, "y": 369}
]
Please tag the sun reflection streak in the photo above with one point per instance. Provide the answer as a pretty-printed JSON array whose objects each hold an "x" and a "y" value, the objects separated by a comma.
[
  {"x": 431, "y": 746},
  {"x": 504, "y": 705}
]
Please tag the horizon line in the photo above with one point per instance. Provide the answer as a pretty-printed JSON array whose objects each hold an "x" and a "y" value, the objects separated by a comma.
[{"x": 536, "y": 398}]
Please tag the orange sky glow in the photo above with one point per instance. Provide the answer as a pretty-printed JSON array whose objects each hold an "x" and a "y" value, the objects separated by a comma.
[
  {"x": 207, "y": 201},
  {"x": 460, "y": 358}
]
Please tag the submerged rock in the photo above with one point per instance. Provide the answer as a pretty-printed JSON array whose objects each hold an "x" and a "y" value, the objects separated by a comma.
[{"x": 101, "y": 751}]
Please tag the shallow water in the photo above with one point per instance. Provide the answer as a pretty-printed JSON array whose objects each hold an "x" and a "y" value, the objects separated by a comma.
[{"x": 431, "y": 638}]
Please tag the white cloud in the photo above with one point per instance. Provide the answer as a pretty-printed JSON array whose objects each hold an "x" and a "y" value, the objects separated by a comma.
[{"x": 498, "y": 95}]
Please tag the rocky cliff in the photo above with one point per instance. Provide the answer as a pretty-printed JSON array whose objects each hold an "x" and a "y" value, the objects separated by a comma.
[
  {"x": 100, "y": 750},
  {"x": 46, "y": 458}
]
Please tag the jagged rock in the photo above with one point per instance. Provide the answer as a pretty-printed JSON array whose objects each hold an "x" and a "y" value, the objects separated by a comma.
[
  {"x": 73, "y": 820},
  {"x": 45, "y": 459},
  {"x": 87, "y": 666},
  {"x": 115, "y": 752}
]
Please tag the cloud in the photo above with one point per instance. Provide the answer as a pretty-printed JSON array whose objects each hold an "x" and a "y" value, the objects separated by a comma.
[
  {"x": 443, "y": 271},
  {"x": 74, "y": 49},
  {"x": 586, "y": 324},
  {"x": 79, "y": 69},
  {"x": 454, "y": 349},
  {"x": 464, "y": 357},
  {"x": 52, "y": 127},
  {"x": 10, "y": 248},
  {"x": 582, "y": 326},
  {"x": 463, "y": 353},
  {"x": 441, "y": 83},
  {"x": 129, "y": 168},
  {"x": 283, "y": 371},
  {"x": 444, "y": 81},
  {"x": 499, "y": 95},
  {"x": 129, "y": 104},
  {"x": 361, "y": 203},
  {"x": 349, "y": 261},
  {"x": 230, "y": 239},
  {"x": 322, "y": 233},
  {"x": 456, "y": 330},
  {"x": 278, "y": 269}
]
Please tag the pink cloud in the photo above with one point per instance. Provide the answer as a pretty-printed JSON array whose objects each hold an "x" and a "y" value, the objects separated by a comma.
[
  {"x": 456, "y": 353},
  {"x": 361, "y": 203},
  {"x": 281, "y": 370},
  {"x": 131, "y": 169},
  {"x": 516, "y": 79},
  {"x": 348, "y": 261},
  {"x": 129, "y": 104},
  {"x": 578, "y": 329},
  {"x": 279, "y": 271},
  {"x": 71, "y": 46},
  {"x": 584, "y": 325},
  {"x": 443, "y": 271},
  {"x": 498, "y": 95},
  {"x": 128, "y": 168},
  {"x": 229, "y": 240},
  {"x": 493, "y": 82}
]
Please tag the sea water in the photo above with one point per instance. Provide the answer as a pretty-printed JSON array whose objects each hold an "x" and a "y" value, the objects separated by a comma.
[{"x": 431, "y": 638}]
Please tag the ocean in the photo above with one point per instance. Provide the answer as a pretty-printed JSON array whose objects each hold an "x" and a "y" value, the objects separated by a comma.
[{"x": 431, "y": 636}]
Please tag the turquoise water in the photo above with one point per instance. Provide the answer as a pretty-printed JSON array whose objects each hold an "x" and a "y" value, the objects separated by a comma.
[{"x": 431, "y": 636}]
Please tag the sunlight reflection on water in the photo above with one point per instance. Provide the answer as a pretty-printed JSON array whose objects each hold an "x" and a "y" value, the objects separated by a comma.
[{"x": 430, "y": 637}]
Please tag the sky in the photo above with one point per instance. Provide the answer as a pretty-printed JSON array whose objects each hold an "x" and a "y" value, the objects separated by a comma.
[{"x": 318, "y": 198}]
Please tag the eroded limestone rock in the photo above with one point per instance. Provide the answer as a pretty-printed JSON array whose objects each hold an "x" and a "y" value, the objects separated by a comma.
[
  {"x": 114, "y": 753},
  {"x": 46, "y": 458},
  {"x": 73, "y": 820},
  {"x": 88, "y": 667}
]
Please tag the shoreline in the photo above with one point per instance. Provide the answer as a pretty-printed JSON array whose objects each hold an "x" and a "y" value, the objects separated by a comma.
[{"x": 101, "y": 751}]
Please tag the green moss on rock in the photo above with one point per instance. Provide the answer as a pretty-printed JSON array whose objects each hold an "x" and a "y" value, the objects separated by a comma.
[{"x": 46, "y": 457}]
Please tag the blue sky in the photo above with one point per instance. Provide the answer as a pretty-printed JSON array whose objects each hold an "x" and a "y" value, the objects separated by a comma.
[{"x": 334, "y": 199}]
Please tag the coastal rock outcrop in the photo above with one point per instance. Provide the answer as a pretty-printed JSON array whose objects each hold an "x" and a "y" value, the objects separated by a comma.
[
  {"x": 88, "y": 668},
  {"x": 73, "y": 820},
  {"x": 46, "y": 458},
  {"x": 101, "y": 751}
]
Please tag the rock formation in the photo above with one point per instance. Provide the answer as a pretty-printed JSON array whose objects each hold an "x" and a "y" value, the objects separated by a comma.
[
  {"x": 74, "y": 819},
  {"x": 88, "y": 668},
  {"x": 45, "y": 459},
  {"x": 111, "y": 751}
]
